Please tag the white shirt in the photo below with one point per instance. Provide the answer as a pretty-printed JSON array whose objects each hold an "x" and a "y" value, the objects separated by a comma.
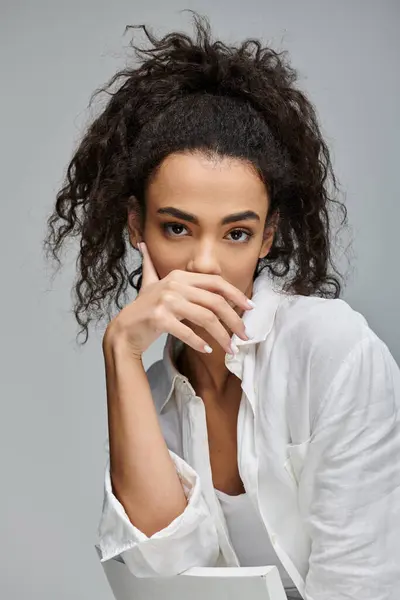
[
  {"x": 318, "y": 453},
  {"x": 249, "y": 536}
]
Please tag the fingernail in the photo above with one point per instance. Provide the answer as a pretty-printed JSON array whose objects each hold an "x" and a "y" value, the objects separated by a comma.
[{"x": 250, "y": 303}]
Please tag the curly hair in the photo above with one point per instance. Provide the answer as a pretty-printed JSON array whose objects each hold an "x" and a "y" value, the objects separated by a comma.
[{"x": 188, "y": 95}]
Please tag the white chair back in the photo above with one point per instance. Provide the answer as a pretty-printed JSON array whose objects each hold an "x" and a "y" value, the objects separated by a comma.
[{"x": 198, "y": 583}]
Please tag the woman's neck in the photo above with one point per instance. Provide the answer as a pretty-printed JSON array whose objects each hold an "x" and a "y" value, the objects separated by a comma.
[{"x": 207, "y": 373}]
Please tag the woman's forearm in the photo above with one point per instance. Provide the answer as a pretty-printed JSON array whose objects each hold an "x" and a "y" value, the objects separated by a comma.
[{"x": 143, "y": 475}]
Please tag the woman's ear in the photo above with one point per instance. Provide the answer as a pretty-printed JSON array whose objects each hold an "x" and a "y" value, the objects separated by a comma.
[
  {"x": 269, "y": 234},
  {"x": 133, "y": 223}
]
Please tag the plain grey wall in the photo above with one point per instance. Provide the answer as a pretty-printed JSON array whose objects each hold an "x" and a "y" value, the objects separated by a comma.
[{"x": 53, "y": 55}]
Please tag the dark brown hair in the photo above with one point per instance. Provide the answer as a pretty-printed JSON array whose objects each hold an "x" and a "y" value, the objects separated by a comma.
[{"x": 197, "y": 95}]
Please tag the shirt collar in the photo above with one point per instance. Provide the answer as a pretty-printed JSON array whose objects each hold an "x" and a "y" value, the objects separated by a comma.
[{"x": 258, "y": 321}]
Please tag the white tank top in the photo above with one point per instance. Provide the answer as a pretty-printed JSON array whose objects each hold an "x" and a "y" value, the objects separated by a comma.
[{"x": 249, "y": 536}]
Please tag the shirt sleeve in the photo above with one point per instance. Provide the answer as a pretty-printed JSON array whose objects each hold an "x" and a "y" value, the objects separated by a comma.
[
  {"x": 190, "y": 540},
  {"x": 352, "y": 478}
]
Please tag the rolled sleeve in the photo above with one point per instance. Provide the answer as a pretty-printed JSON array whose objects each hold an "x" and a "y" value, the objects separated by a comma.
[
  {"x": 351, "y": 481},
  {"x": 190, "y": 540}
]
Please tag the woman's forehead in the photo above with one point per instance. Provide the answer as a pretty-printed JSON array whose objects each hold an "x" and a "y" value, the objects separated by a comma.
[{"x": 192, "y": 180}]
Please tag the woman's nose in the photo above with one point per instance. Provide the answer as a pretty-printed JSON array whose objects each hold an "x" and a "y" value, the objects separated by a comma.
[{"x": 205, "y": 262}]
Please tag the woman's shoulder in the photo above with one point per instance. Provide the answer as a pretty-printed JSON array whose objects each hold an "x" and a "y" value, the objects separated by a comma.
[
  {"x": 310, "y": 324},
  {"x": 317, "y": 339}
]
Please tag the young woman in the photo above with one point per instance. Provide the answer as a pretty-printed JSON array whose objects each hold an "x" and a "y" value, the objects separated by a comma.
[{"x": 269, "y": 432}]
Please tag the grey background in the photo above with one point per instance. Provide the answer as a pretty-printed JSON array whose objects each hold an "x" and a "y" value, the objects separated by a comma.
[{"x": 53, "y": 55}]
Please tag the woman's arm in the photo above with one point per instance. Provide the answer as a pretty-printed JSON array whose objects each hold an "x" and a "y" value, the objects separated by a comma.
[
  {"x": 154, "y": 514},
  {"x": 143, "y": 475},
  {"x": 350, "y": 485}
]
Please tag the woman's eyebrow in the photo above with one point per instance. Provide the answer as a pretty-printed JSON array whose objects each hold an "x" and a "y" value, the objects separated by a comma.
[{"x": 246, "y": 215}]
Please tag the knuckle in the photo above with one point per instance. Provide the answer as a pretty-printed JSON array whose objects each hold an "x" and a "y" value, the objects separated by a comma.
[
  {"x": 159, "y": 314},
  {"x": 210, "y": 318},
  {"x": 220, "y": 302},
  {"x": 168, "y": 298},
  {"x": 170, "y": 284},
  {"x": 174, "y": 275}
]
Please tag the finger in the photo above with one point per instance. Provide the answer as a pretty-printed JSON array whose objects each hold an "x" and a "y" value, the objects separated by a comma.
[
  {"x": 185, "y": 310},
  {"x": 149, "y": 273},
  {"x": 215, "y": 303},
  {"x": 188, "y": 337},
  {"x": 219, "y": 285}
]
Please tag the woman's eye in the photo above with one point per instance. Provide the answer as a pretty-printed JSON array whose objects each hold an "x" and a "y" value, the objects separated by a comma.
[
  {"x": 241, "y": 232},
  {"x": 178, "y": 226},
  {"x": 175, "y": 225}
]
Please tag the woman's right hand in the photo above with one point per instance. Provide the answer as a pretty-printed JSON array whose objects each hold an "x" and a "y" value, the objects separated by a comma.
[{"x": 162, "y": 304}]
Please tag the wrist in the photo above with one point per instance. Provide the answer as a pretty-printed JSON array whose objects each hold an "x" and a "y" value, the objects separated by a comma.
[{"x": 116, "y": 343}]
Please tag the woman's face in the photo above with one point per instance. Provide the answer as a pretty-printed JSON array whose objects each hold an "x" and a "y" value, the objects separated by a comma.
[{"x": 189, "y": 202}]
